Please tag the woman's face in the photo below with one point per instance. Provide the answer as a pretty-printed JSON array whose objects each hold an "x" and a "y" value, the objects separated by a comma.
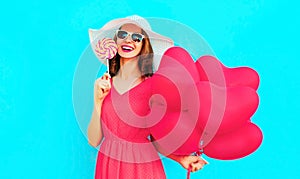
[{"x": 127, "y": 48}]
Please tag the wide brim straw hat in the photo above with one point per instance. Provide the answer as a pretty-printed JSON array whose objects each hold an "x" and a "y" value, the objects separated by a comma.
[{"x": 158, "y": 42}]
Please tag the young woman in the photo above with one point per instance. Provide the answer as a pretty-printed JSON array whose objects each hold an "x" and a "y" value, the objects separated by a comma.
[{"x": 121, "y": 100}]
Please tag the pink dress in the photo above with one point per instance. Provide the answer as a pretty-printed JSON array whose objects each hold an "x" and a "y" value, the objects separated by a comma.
[{"x": 126, "y": 151}]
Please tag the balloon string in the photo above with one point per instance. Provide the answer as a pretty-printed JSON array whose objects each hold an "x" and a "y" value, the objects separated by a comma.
[{"x": 189, "y": 173}]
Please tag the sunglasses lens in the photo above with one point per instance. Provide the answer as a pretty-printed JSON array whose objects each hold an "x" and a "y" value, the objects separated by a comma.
[
  {"x": 137, "y": 37},
  {"x": 122, "y": 34}
]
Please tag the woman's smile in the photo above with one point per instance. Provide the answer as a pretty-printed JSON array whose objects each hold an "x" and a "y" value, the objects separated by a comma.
[{"x": 127, "y": 48}]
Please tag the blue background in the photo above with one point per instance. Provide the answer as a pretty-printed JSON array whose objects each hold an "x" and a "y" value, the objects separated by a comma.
[{"x": 41, "y": 42}]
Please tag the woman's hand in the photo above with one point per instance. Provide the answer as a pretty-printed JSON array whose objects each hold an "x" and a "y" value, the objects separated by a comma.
[
  {"x": 191, "y": 162},
  {"x": 194, "y": 163},
  {"x": 101, "y": 88}
]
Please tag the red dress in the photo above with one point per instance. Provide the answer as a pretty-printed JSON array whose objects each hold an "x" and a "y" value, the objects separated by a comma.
[{"x": 126, "y": 151}]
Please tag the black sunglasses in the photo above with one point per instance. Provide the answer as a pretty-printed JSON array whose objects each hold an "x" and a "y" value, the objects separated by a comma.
[{"x": 136, "y": 37}]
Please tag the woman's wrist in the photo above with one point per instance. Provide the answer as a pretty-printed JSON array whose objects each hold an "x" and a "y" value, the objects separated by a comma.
[
  {"x": 177, "y": 158},
  {"x": 98, "y": 106}
]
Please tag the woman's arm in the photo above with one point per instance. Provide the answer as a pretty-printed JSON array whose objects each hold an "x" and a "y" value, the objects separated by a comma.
[
  {"x": 94, "y": 129},
  {"x": 191, "y": 162},
  {"x": 101, "y": 89}
]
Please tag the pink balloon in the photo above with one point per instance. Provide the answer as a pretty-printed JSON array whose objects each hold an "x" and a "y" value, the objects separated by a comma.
[
  {"x": 178, "y": 54},
  {"x": 241, "y": 76},
  {"x": 233, "y": 106},
  {"x": 164, "y": 87},
  {"x": 174, "y": 90},
  {"x": 176, "y": 134},
  {"x": 236, "y": 144}
]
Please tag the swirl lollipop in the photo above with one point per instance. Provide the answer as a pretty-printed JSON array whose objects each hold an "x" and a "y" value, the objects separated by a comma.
[{"x": 106, "y": 49}]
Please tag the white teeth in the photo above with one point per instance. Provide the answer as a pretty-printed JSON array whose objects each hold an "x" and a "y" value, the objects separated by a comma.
[{"x": 127, "y": 48}]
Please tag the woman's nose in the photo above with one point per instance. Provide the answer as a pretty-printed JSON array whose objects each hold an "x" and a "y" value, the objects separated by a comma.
[{"x": 128, "y": 38}]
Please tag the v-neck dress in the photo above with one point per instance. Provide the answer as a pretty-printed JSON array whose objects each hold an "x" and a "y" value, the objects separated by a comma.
[{"x": 126, "y": 151}]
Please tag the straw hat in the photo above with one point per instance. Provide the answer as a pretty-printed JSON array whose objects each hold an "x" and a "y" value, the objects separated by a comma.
[{"x": 159, "y": 43}]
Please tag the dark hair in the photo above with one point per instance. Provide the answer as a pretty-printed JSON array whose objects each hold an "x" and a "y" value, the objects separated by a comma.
[{"x": 145, "y": 61}]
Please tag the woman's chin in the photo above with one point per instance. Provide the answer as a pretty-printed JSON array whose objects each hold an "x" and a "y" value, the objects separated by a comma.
[{"x": 128, "y": 54}]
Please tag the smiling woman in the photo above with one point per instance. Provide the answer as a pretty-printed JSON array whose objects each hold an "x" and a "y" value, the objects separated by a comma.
[
  {"x": 132, "y": 44},
  {"x": 121, "y": 106}
]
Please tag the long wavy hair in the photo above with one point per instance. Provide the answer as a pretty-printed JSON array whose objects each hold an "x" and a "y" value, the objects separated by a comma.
[{"x": 145, "y": 61}]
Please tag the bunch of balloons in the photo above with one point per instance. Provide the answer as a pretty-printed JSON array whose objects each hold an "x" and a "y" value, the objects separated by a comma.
[{"x": 206, "y": 106}]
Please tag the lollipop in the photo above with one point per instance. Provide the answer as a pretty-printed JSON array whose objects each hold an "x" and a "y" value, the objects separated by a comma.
[{"x": 106, "y": 49}]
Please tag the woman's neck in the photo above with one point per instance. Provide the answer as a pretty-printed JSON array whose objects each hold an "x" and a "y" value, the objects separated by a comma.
[{"x": 129, "y": 68}]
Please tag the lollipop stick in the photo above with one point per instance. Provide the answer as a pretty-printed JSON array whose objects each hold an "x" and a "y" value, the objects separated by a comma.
[{"x": 107, "y": 62}]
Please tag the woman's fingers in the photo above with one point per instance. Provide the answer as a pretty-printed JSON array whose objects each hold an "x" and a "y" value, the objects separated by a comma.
[
  {"x": 104, "y": 82},
  {"x": 198, "y": 164},
  {"x": 102, "y": 86},
  {"x": 106, "y": 76}
]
